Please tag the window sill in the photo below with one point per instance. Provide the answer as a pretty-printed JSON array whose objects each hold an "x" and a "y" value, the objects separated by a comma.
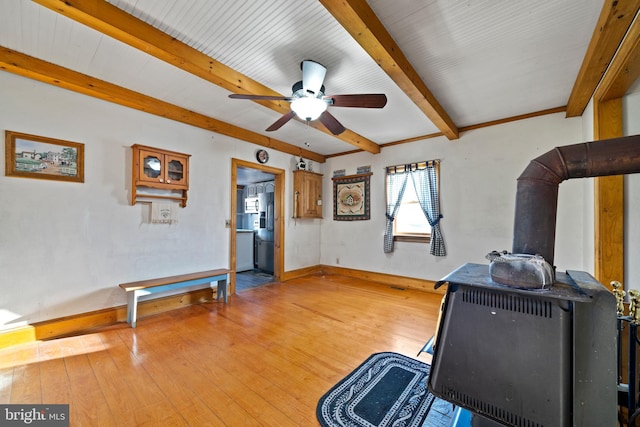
[{"x": 413, "y": 239}]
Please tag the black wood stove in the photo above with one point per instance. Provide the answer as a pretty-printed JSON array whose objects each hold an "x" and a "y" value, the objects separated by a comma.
[
  {"x": 527, "y": 357},
  {"x": 518, "y": 343}
]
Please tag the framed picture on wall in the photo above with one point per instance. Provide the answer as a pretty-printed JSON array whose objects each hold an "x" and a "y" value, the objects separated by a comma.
[
  {"x": 39, "y": 157},
  {"x": 351, "y": 197}
]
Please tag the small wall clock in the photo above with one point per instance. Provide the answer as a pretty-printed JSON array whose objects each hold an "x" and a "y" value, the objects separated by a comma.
[{"x": 262, "y": 156}]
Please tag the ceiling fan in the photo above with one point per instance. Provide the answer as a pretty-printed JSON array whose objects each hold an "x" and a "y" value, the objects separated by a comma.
[{"x": 309, "y": 102}]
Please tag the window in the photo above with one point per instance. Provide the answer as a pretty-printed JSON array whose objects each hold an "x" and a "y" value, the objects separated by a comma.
[
  {"x": 410, "y": 223},
  {"x": 413, "y": 206}
]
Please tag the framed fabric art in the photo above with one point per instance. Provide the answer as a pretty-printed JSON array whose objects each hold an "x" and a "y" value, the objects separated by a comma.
[{"x": 351, "y": 197}]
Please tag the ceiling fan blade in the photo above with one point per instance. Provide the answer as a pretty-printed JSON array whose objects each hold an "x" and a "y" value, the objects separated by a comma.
[
  {"x": 312, "y": 76},
  {"x": 260, "y": 97},
  {"x": 331, "y": 123},
  {"x": 370, "y": 100},
  {"x": 281, "y": 121}
]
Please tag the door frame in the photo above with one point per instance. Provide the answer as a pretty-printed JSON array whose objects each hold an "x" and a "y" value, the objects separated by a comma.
[{"x": 278, "y": 218}]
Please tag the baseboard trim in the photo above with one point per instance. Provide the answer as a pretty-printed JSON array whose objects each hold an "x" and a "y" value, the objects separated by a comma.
[
  {"x": 390, "y": 279},
  {"x": 301, "y": 272},
  {"x": 75, "y": 324}
]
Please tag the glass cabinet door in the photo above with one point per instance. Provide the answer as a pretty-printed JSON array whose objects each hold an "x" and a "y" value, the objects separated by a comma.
[
  {"x": 151, "y": 167},
  {"x": 176, "y": 170}
]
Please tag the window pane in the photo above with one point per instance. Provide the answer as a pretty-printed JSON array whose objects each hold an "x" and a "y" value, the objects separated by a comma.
[{"x": 410, "y": 219}]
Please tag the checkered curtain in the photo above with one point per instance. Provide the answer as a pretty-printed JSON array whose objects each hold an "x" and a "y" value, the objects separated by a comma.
[
  {"x": 396, "y": 184},
  {"x": 426, "y": 185}
]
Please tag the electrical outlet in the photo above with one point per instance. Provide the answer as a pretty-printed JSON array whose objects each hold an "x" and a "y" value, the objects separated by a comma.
[{"x": 337, "y": 261}]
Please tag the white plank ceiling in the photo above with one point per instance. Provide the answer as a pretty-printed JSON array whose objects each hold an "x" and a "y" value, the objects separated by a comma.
[{"x": 483, "y": 60}]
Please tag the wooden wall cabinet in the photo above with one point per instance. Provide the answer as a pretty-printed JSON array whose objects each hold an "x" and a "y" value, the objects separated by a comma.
[
  {"x": 307, "y": 194},
  {"x": 159, "y": 169}
]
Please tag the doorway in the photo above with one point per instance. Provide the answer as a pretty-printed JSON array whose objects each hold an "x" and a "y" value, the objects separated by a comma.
[{"x": 257, "y": 224}]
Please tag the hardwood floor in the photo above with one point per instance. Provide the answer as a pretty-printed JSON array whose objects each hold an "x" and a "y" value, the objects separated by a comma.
[{"x": 263, "y": 359}]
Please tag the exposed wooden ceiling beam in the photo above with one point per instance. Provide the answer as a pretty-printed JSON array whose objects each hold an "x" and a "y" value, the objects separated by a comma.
[
  {"x": 614, "y": 21},
  {"x": 624, "y": 70},
  {"x": 116, "y": 23},
  {"x": 37, "y": 69},
  {"x": 364, "y": 26}
]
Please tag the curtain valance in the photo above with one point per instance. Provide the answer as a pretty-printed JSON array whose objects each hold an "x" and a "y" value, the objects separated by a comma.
[{"x": 410, "y": 167}]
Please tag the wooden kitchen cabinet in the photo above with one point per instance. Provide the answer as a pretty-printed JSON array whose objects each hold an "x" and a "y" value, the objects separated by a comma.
[
  {"x": 307, "y": 194},
  {"x": 162, "y": 170}
]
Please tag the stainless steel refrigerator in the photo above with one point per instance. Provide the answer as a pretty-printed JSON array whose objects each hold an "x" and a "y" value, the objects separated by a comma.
[{"x": 264, "y": 233}]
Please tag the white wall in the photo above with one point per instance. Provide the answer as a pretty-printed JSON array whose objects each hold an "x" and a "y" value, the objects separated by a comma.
[
  {"x": 478, "y": 188},
  {"x": 631, "y": 126},
  {"x": 588, "y": 228},
  {"x": 65, "y": 247}
]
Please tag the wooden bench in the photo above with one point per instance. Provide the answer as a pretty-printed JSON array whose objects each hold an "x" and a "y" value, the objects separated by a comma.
[{"x": 151, "y": 286}]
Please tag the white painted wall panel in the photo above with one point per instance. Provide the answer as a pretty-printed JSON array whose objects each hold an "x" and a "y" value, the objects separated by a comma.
[
  {"x": 65, "y": 247},
  {"x": 631, "y": 120},
  {"x": 588, "y": 225},
  {"x": 478, "y": 184}
]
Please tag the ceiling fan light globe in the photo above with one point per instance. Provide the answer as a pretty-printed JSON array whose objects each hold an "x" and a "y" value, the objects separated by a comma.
[{"x": 308, "y": 108}]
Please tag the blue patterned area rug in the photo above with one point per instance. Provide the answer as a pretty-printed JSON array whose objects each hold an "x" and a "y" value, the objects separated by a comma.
[{"x": 388, "y": 389}]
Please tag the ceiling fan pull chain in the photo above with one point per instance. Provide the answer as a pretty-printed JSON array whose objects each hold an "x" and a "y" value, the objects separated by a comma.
[{"x": 306, "y": 142}]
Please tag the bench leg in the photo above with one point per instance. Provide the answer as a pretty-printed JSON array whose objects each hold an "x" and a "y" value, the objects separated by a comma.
[
  {"x": 132, "y": 308},
  {"x": 222, "y": 289}
]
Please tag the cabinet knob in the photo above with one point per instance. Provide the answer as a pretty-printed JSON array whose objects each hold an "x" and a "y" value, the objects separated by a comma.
[
  {"x": 168, "y": 181},
  {"x": 161, "y": 180}
]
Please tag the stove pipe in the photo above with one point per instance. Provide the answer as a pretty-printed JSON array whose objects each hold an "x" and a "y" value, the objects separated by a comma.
[{"x": 537, "y": 192}]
